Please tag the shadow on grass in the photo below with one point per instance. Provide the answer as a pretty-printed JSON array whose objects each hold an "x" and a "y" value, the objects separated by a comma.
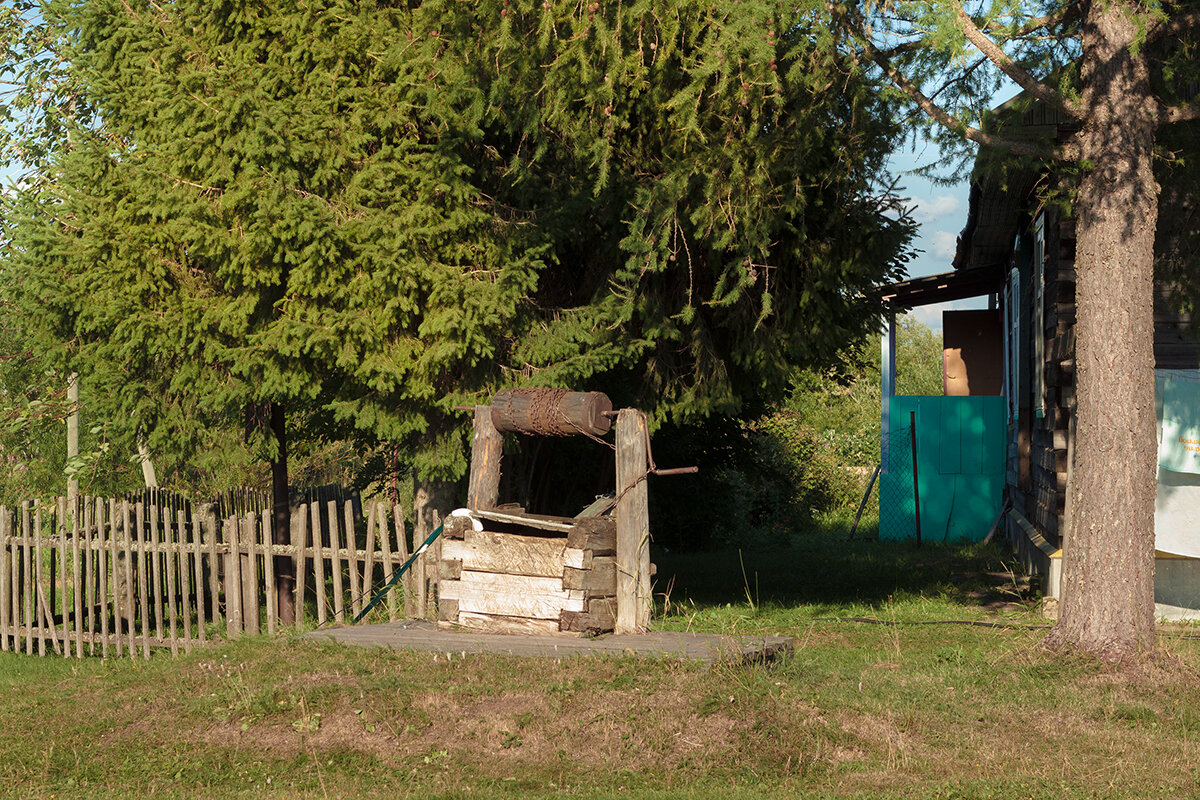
[{"x": 824, "y": 568}]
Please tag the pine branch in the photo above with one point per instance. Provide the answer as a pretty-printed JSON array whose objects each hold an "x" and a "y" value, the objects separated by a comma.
[
  {"x": 1009, "y": 67},
  {"x": 1177, "y": 25},
  {"x": 947, "y": 120},
  {"x": 1037, "y": 23}
]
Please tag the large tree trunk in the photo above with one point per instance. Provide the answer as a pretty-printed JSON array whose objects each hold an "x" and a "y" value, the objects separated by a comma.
[{"x": 1108, "y": 552}]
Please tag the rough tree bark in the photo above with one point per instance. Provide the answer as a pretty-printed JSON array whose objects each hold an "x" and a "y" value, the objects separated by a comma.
[
  {"x": 1108, "y": 571},
  {"x": 1108, "y": 552}
]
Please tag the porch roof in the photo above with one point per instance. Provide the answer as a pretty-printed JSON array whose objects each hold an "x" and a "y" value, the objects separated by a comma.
[{"x": 943, "y": 287}]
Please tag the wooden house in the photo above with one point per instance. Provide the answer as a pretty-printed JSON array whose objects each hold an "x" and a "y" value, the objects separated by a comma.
[{"x": 1020, "y": 252}]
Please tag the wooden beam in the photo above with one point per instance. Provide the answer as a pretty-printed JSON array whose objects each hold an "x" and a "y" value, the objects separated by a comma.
[
  {"x": 484, "y": 551},
  {"x": 633, "y": 523},
  {"x": 512, "y": 595}
]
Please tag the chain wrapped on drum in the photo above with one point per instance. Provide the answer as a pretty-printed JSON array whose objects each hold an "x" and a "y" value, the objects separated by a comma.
[{"x": 551, "y": 412}]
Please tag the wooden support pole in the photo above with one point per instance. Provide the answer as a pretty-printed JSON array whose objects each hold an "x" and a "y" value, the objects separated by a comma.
[
  {"x": 487, "y": 449},
  {"x": 633, "y": 523}
]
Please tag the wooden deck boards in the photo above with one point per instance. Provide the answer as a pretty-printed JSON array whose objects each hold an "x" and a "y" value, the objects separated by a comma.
[{"x": 422, "y": 635}]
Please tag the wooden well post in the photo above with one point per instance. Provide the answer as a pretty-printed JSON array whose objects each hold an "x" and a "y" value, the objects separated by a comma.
[
  {"x": 633, "y": 523},
  {"x": 487, "y": 449}
]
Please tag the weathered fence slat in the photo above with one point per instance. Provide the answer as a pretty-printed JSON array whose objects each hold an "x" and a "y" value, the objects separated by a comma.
[
  {"x": 319, "y": 563},
  {"x": 76, "y": 593},
  {"x": 156, "y": 575},
  {"x": 352, "y": 559},
  {"x": 39, "y": 613},
  {"x": 100, "y": 553},
  {"x": 368, "y": 573},
  {"x": 26, "y": 594},
  {"x": 197, "y": 553},
  {"x": 106, "y": 566},
  {"x": 250, "y": 606},
  {"x": 335, "y": 546},
  {"x": 6, "y": 629},
  {"x": 233, "y": 580},
  {"x": 299, "y": 539},
  {"x": 271, "y": 594},
  {"x": 384, "y": 539},
  {"x": 62, "y": 573},
  {"x": 127, "y": 549},
  {"x": 116, "y": 578},
  {"x": 185, "y": 570},
  {"x": 143, "y": 593},
  {"x": 168, "y": 558},
  {"x": 402, "y": 552},
  {"x": 211, "y": 526}
]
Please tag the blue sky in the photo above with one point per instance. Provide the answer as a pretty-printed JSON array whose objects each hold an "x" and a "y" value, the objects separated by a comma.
[{"x": 941, "y": 213}]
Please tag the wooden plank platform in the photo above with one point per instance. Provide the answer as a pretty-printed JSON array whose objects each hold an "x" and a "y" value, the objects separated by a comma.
[{"x": 423, "y": 635}]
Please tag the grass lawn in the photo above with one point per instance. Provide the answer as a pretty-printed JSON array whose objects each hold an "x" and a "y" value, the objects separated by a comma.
[{"x": 918, "y": 708}]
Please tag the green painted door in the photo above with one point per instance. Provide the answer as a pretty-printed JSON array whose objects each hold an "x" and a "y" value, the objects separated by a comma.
[{"x": 960, "y": 468}]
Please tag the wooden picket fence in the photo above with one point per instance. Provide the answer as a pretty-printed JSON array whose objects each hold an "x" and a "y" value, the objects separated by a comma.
[{"x": 116, "y": 578}]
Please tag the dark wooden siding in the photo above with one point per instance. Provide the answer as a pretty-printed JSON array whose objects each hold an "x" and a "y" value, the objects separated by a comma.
[{"x": 1176, "y": 346}]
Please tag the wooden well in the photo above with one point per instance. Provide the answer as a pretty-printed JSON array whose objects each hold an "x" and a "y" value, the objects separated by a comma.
[{"x": 529, "y": 574}]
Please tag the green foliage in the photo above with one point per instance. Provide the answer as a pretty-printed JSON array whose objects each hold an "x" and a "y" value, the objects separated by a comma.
[
  {"x": 370, "y": 214},
  {"x": 762, "y": 481}
]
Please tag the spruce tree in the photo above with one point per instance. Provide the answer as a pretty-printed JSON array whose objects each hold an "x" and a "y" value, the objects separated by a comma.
[{"x": 369, "y": 214}]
